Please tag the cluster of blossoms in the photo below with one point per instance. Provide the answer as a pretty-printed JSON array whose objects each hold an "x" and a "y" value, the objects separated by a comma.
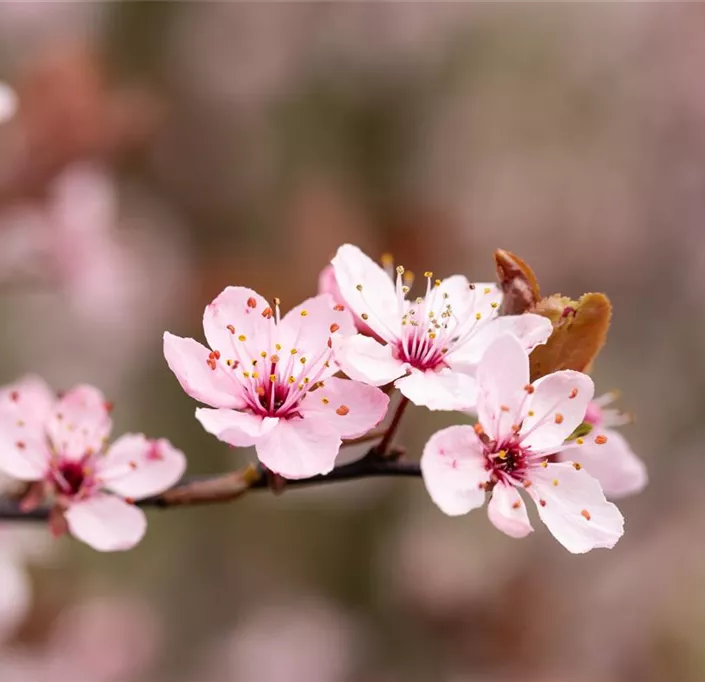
[{"x": 297, "y": 386}]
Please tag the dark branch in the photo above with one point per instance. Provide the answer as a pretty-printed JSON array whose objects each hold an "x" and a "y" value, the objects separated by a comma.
[{"x": 226, "y": 487}]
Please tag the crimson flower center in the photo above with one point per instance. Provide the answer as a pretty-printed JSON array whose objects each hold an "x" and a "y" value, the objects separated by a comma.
[
  {"x": 507, "y": 461},
  {"x": 69, "y": 477}
]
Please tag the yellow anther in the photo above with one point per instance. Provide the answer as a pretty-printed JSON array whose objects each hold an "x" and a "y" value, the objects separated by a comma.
[
  {"x": 291, "y": 380},
  {"x": 437, "y": 282},
  {"x": 325, "y": 401},
  {"x": 555, "y": 482},
  {"x": 502, "y": 454},
  {"x": 302, "y": 361},
  {"x": 488, "y": 290},
  {"x": 387, "y": 260},
  {"x": 306, "y": 381},
  {"x": 405, "y": 290},
  {"x": 272, "y": 377},
  {"x": 263, "y": 354},
  {"x": 246, "y": 375},
  {"x": 544, "y": 464},
  {"x": 294, "y": 351},
  {"x": 278, "y": 346},
  {"x": 478, "y": 316},
  {"x": 428, "y": 274},
  {"x": 358, "y": 287},
  {"x": 304, "y": 313},
  {"x": 242, "y": 337},
  {"x": 531, "y": 413},
  {"x": 277, "y": 301},
  {"x": 365, "y": 316},
  {"x": 579, "y": 441},
  {"x": 255, "y": 375},
  {"x": 494, "y": 304},
  {"x": 400, "y": 269}
]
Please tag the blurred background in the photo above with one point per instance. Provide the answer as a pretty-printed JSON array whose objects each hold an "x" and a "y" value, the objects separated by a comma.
[{"x": 161, "y": 151}]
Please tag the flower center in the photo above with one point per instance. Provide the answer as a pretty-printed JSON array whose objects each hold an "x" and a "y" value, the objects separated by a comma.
[
  {"x": 69, "y": 477},
  {"x": 507, "y": 461}
]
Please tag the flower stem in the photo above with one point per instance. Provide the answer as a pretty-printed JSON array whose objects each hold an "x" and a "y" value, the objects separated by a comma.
[{"x": 383, "y": 447}]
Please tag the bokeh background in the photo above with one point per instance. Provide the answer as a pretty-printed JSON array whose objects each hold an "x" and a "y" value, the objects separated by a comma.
[{"x": 162, "y": 151}]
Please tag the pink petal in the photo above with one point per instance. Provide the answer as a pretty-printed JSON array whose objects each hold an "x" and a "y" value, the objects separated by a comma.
[
  {"x": 189, "y": 361},
  {"x": 614, "y": 464},
  {"x": 240, "y": 429},
  {"x": 23, "y": 450},
  {"x": 502, "y": 377},
  {"x": 364, "y": 359},
  {"x": 531, "y": 330},
  {"x": 444, "y": 390},
  {"x": 106, "y": 523},
  {"x": 555, "y": 408},
  {"x": 507, "y": 511},
  {"x": 237, "y": 316},
  {"x": 308, "y": 326},
  {"x": 80, "y": 423},
  {"x": 453, "y": 470},
  {"x": 298, "y": 448},
  {"x": 573, "y": 507},
  {"x": 350, "y": 407},
  {"x": 138, "y": 467},
  {"x": 469, "y": 299},
  {"x": 328, "y": 284},
  {"x": 29, "y": 399},
  {"x": 368, "y": 290}
]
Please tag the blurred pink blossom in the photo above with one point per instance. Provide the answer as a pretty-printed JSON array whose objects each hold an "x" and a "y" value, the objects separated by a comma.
[{"x": 61, "y": 446}]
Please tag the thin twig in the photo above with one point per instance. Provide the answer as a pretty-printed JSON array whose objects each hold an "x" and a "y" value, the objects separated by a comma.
[
  {"x": 230, "y": 486},
  {"x": 383, "y": 447}
]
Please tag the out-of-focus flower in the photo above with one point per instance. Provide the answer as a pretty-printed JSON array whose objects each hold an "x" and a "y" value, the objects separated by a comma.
[
  {"x": 8, "y": 102},
  {"x": 613, "y": 463},
  {"x": 433, "y": 344},
  {"x": 62, "y": 446},
  {"x": 271, "y": 380},
  {"x": 520, "y": 425}
]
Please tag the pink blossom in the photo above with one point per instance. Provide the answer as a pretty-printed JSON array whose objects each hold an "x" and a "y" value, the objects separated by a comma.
[
  {"x": 270, "y": 380},
  {"x": 433, "y": 344},
  {"x": 613, "y": 463},
  {"x": 63, "y": 444},
  {"x": 328, "y": 284},
  {"x": 520, "y": 426}
]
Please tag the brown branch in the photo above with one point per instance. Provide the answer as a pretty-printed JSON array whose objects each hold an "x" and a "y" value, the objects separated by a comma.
[{"x": 230, "y": 486}]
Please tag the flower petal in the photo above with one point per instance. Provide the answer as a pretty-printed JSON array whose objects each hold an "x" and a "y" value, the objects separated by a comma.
[
  {"x": 444, "y": 390},
  {"x": 328, "y": 284},
  {"x": 363, "y": 359},
  {"x": 469, "y": 299},
  {"x": 555, "y": 408},
  {"x": 80, "y": 423},
  {"x": 350, "y": 407},
  {"x": 298, "y": 448},
  {"x": 573, "y": 507},
  {"x": 507, "y": 511},
  {"x": 453, "y": 470},
  {"x": 106, "y": 523},
  {"x": 502, "y": 376},
  {"x": 614, "y": 464},
  {"x": 23, "y": 451},
  {"x": 136, "y": 466},
  {"x": 240, "y": 429},
  {"x": 531, "y": 330},
  {"x": 308, "y": 326},
  {"x": 368, "y": 290},
  {"x": 237, "y": 313},
  {"x": 188, "y": 360},
  {"x": 29, "y": 399}
]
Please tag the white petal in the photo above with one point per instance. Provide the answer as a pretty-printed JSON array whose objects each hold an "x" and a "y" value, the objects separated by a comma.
[
  {"x": 368, "y": 290},
  {"x": 573, "y": 507},
  {"x": 531, "y": 330},
  {"x": 614, "y": 464},
  {"x": 240, "y": 429},
  {"x": 507, "y": 511},
  {"x": 298, "y": 448},
  {"x": 502, "y": 376},
  {"x": 444, "y": 390},
  {"x": 137, "y": 467},
  {"x": 351, "y": 407},
  {"x": 106, "y": 523},
  {"x": 453, "y": 470},
  {"x": 555, "y": 409},
  {"x": 364, "y": 359}
]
